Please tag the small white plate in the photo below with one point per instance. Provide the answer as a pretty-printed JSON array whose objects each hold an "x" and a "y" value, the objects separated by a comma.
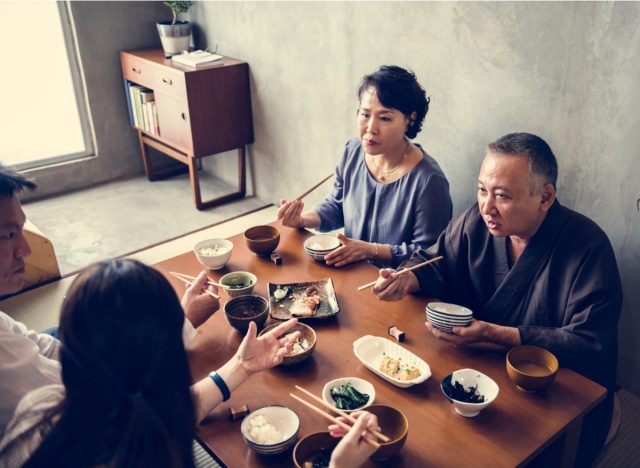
[
  {"x": 372, "y": 349},
  {"x": 359, "y": 384}
]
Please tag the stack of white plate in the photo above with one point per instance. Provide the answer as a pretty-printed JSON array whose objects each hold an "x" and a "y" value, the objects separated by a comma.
[
  {"x": 445, "y": 316},
  {"x": 320, "y": 245},
  {"x": 280, "y": 418}
]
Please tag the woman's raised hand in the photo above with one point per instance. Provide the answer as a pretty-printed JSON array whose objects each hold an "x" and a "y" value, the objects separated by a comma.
[
  {"x": 290, "y": 213},
  {"x": 267, "y": 351}
]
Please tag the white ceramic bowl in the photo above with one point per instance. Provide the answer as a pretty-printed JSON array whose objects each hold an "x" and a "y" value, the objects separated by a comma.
[
  {"x": 216, "y": 260},
  {"x": 450, "y": 310},
  {"x": 321, "y": 243},
  {"x": 445, "y": 316},
  {"x": 359, "y": 384},
  {"x": 470, "y": 378},
  {"x": 371, "y": 350},
  {"x": 283, "y": 419}
]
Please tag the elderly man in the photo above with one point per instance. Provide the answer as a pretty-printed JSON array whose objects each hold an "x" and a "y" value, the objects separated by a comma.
[
  {"x": 29, "y": 360},
  {"x": 531, "y": 270}
]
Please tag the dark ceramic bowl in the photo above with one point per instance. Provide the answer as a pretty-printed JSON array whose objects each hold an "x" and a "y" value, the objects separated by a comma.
[
  {"x": 262, "y": 240},
  {"x": 394, "y": 425},
  {"x": 531, "y": 368},
  {"x": 311, "y": 447},
  {"x": 242, "y": 310}
]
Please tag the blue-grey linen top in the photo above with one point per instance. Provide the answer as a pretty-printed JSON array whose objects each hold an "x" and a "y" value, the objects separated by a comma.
[{"x": 406, "y": 214}]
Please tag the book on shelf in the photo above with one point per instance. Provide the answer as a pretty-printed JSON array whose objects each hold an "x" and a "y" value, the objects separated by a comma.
[
  {"x": 197, "y": 59},
  {"x": 140, "y": 101},
  {"x": 127, "y": 93}
]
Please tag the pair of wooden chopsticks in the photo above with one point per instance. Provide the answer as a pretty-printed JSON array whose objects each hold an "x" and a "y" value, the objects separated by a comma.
[
  {"x": 190, "y": 279},
  {"x": 304, "y": 194},
  {"x": 404, "y": 270},
  {"x": 367, "y": 436}
]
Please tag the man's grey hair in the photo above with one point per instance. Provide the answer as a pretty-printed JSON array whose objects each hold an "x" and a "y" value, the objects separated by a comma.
[{"x": 541, "y": 160}]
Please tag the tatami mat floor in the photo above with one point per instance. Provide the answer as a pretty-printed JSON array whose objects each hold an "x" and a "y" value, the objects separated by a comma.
[{"x": 624, "y": 449}]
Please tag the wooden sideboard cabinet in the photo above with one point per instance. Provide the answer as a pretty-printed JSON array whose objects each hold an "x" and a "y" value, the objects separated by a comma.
[{"x": 201, "y": 112}]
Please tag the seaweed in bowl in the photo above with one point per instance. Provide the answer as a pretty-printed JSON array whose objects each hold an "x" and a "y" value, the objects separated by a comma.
[
  {"x": 457, "y": 391},
  {"x": 347, "y": 397}
]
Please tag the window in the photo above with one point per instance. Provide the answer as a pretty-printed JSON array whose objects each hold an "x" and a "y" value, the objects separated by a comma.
[{"x": 43, "y": 118}]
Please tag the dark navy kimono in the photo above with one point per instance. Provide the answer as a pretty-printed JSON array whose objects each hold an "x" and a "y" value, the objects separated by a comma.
[{"x": 563, "y": 293}]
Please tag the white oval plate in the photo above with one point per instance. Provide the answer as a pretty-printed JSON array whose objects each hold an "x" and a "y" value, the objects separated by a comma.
[{"x": 370, "y": 350}]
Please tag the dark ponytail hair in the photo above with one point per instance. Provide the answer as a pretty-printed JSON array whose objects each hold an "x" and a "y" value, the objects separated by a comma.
[{"x": 128, "y": 400}]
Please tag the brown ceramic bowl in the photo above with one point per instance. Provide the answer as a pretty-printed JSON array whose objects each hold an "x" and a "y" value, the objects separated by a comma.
[
  {"x": 307, "y": 334},
  {"x": 531, "y": 368},
  {"x": 242, "y": 310},
  {"x": 394, "y": 425},
  {"x": 310, "y": 447},
  {"x": 262, "y": 240}
]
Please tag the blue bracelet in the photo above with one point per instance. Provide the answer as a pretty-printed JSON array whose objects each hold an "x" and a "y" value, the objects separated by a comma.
[{"x": 226, "y": 394}]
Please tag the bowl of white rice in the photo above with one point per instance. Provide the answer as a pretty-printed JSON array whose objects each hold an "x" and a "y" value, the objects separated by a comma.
[
  {"x": 271, "y": 429},
  {"x": 213, "y": 253}
]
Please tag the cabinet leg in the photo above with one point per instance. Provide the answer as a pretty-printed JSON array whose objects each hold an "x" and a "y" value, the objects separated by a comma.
[
  {"x": 195, "y": 182},
  {"x": 144, "y": 153},
  {"x": 242, "y": 171}
]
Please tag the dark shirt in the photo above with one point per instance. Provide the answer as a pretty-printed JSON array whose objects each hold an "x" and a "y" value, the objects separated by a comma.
[{"x": 563, "y": 293}]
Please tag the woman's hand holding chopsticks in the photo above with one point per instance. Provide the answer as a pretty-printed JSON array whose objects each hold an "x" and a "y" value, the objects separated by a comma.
[
  {"x": 200, "y": 300},
  {"x": 290, "y": 214},
  {"x": 353, "y": 450}
]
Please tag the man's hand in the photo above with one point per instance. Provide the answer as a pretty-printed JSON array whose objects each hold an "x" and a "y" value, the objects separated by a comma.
[
  {"x": 350, "y": 251},
  {"x": 478, "y": 332},
  {"x": 267, "y": 351},
  {"x": 290, "y": 213},
  {"x": 393, "y": 286},
  {"x": 198, "y": 306}
]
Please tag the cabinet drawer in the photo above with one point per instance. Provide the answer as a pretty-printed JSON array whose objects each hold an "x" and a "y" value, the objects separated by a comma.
[
  {"x": 138, "y": 71},
  {"x": 174, "y": 121},
  {"x": 168, "y": 80}
]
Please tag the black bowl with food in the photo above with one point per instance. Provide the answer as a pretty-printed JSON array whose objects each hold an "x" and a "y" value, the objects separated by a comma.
[
  {"x": 242, "y": 310},
  {"x": 314, "y": 450}
]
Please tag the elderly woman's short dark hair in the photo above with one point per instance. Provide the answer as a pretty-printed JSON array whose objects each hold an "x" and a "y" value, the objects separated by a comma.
[{"x": 399, "y": 89}]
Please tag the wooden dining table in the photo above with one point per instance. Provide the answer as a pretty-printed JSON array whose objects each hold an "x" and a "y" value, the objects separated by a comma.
[{"x": 517, "y": 429}]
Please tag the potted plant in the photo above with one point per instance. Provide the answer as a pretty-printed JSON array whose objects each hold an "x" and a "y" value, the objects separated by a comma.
[{"x": 175, "y": 34}]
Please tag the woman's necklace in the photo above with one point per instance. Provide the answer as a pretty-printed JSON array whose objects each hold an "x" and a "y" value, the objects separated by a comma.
[{"x": 382, "y": 175}]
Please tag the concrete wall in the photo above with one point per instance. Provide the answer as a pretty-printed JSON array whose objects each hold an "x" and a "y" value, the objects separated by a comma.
[
  {"x": 565, "y": 71},
  {"x": 103, "y": 29}
]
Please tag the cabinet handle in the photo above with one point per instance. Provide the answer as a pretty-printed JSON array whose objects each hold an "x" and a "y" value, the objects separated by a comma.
[
  {"x": 167, "y": 81},
  {"x": 184, "y": 117},
  {"x": 136, "y": 70}
]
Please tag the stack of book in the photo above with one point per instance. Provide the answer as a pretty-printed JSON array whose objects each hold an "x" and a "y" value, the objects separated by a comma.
[
  {"x": 198, "y": 58},
  {"x": 142, "y": 108}
]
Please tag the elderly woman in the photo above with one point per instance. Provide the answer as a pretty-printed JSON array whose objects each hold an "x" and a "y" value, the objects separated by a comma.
[
  {"x": 390, "y": 196},
  {"x": 127, "y": 398}
]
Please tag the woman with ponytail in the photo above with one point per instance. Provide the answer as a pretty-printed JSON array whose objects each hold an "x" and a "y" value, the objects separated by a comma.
[{"x": 127, "y": 398}]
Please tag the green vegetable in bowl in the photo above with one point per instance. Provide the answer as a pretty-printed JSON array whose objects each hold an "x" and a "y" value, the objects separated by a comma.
[
  {"x": 237, "y": 283},
  {"x": 347, "y": 397}
]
